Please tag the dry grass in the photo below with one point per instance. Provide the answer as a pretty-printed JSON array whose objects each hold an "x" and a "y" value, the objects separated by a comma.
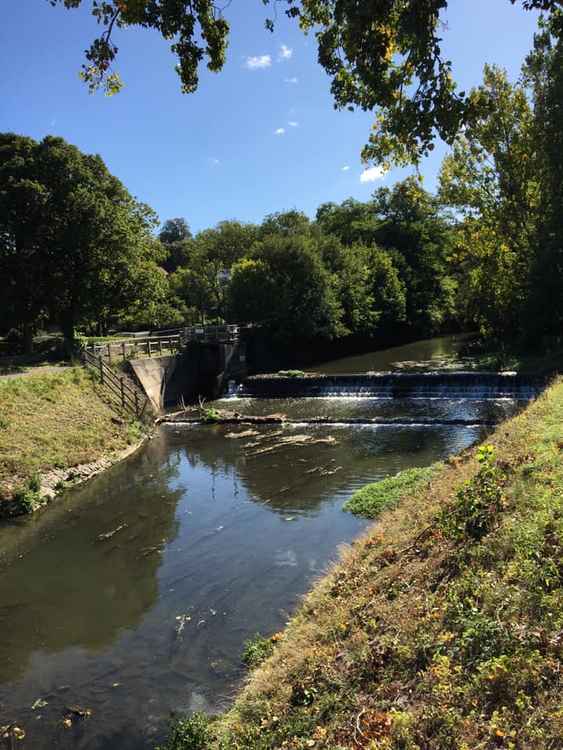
[
  {"x": 440, "y": 629},
  {"x": 58, "y": 420}
]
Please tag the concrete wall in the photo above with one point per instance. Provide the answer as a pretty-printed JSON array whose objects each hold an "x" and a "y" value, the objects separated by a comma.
[{"x": 201, "y": 370}]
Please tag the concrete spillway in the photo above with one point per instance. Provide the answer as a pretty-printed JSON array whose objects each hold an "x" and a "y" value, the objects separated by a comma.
[{"x": 448, "y": 385}]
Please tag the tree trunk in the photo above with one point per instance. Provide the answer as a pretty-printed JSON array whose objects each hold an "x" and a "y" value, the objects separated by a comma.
[
  {"x": 67, "y": 327},
  {"x": 28, "y": 338}
]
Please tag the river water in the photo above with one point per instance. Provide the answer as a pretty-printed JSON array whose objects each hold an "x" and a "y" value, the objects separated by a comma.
[{"x": 133, "y": 595}]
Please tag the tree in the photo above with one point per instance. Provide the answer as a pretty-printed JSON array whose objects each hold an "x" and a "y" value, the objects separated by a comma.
[
  {"x": 285, "y": 286},
  {"x": 491, "y": 179},
  {"x": 543, "y": 74},
  {"x": 174, "y": 236},
  {"x": 65, "y": 219},
  {"x": 412, "y": 228},
  {"x": 367, "y": 284},
  {"x": 381, "y": 54},
  {"x": 352, "y": 221},
  {"x": 23, "y": 225}
]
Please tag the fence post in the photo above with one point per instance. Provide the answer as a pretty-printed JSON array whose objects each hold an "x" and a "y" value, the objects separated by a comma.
[
  {"x": 101, "y": 370},
  {"x": 160, "y": 347},
  {"x": 122, "y": 393},
  {"x": 149, "y": 348},
  {"x": 123, "y": 349},
  {"x": 109, "y": 352},
  {"x": 136, "y": 404}
]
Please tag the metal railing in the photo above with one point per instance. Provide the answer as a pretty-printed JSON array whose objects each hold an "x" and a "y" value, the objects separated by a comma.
[{"x": 129, "y": 398}]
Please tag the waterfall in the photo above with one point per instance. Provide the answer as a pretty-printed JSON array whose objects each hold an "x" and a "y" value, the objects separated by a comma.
[{"x": 444, "y": 385}]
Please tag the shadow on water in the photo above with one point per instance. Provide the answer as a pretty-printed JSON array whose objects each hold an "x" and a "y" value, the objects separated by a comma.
[{"x": 218, "y": 531}]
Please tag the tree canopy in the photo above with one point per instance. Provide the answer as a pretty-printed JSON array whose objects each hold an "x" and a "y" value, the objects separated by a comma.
[
  {"x": 383, "y": 55},
  {"x": 75, "y": 246}
]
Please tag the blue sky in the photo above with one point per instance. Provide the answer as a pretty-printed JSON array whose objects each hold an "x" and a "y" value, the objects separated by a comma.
[{"x": 216, "y": 154}]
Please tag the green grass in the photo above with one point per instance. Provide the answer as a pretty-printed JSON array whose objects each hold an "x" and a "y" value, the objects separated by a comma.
[
  {"x": 440, "y": 628},
  {"x": 55, "y": 420},
  {"x": 373, "y": 499}
]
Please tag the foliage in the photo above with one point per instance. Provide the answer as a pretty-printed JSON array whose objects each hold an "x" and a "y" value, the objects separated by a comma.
[
  {"x": 175, "y": 235},
  {"x": 543, "y": 74},
  {"x": 202, "y": 282},
  {"x": 190, "y": 733},
  {"x": 372, "y": 499},
  {"x": 478, "y": 502},
  {"x": 285, "y": 286},
  {"x": 385, "y": 55},
  {"x": 256, "y": 649},
  {"x": 74, "y": 244},
  {"x": 491, "y": 180},
  {"x": 27, "y": 497}
]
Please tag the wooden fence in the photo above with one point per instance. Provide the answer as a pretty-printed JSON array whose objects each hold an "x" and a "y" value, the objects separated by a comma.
[
  {"x": 126, "y": 395},
  {"x": 133, "y": 347},
  {"x": 171, "y": 343}
]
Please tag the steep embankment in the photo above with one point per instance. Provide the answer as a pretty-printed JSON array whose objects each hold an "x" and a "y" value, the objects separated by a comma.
[
  {"x": 51, "y": 424},
  {"x": 441, "y": 628}
]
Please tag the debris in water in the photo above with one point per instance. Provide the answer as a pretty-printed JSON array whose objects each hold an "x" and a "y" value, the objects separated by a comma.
[
  {"x": 11, "y": 732},
  {"x": 182, "y": 620},
  {"x": 109, "y": 534},
  {"x": 243, "y": 434},
  {"x": 296, "y": 440},
  {"x": 78, "y": 712},
  {"x": 39, "y": 703}
]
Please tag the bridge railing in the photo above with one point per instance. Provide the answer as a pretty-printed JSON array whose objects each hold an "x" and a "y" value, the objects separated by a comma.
[
  {"x": 133, "y": 347},
  {"x": 159, "y": 345}
]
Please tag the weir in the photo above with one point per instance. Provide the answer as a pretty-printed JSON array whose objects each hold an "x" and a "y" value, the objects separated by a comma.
[{"x": 445, "y": 385}]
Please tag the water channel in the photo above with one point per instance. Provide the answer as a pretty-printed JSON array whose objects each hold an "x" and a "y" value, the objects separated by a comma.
[{"x": 133, "y": 595}]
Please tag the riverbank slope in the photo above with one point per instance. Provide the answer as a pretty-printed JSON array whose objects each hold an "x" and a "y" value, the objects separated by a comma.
[
  {"x": 55, "y": 427},
  {"x": 440, "y": 628}
]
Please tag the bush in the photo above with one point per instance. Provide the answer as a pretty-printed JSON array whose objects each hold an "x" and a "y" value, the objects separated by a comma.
[
  {"x": 28, "y": 496},
  {"x": 190, "y": 733},
  {"x": 256, "y": 650},
  {"x": 478, "y": 502}
]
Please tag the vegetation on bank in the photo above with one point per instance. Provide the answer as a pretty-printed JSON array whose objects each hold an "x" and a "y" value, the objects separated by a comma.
[
  {"x": 372, "y": 499},
  {"x": 439, "y": 629},
  {"x": 53, "y": 421}
]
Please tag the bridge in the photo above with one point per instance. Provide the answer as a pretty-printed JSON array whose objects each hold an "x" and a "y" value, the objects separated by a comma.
[{"x": 169, "y": 369}]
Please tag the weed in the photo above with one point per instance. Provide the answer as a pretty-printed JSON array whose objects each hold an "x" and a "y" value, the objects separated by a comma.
[
  {"x": 191, "y": 733},
  {"x": 256, "y": 650},
  {"x": 373, "y": 499},
  {"x": 478, "y": 502}
]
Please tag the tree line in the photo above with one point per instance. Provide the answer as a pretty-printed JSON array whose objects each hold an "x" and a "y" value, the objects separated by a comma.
[{"x": 484, "y": 253}]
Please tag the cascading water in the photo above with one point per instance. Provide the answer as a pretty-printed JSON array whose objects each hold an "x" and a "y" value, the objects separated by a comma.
[{"x": 390, "y": 385}]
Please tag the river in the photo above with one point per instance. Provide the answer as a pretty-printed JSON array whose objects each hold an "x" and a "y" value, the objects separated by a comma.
[{"x": 133, "y": 595}]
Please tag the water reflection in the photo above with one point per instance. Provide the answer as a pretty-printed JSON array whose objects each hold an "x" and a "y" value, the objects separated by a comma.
[
  {"x": 440, "y": 353},
  {"x": 217, "y": 539}
]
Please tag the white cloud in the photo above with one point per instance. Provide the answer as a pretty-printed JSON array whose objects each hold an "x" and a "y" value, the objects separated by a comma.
[
  {"x": 279, "y": 131},
  {"x": 372, "y": 174},
  {"x": 286, "y": 53},
  {"x": 258, "y": 62},
  {"x": 293, "y": 80},
  {"x": 293, "y": 124},
  {"x": 215, "y": 161},
  {"x": 346, "y": 168}
]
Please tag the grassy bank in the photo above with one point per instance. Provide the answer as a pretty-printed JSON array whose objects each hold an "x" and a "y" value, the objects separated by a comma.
[
  {"x": 53, "y": 421},
  {"x": 440, "y": 629}
]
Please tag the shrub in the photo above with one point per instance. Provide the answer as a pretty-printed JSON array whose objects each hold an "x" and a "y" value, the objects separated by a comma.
[
  {"x": 190, "y": 733},
  {"x": 256, "y": 650}
]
